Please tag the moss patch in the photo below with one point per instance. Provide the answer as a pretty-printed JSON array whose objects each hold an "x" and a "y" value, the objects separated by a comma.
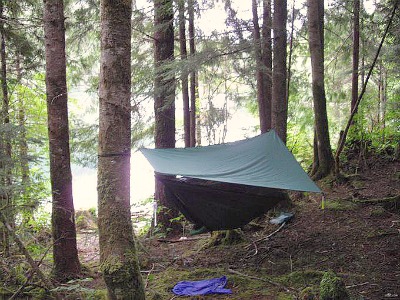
[
  {"x": 340, "y": 205},
  {"x": 304, "y": 278},
  {"x": 379, "y": 212},
  {"x": 309, "y": 293},
  {"x": 159, "y": 285}
]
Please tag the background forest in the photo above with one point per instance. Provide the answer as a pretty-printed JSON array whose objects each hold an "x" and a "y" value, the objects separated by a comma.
[{"x": 218, "y": 50}]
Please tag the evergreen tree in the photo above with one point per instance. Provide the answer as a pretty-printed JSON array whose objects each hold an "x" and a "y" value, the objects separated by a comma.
[
  {"x": 279, "y": 69},
  {"x": 323, "y": 158},
  {"x": 184, "y": 73},
  {"x": 164, "y": 97},
  {"x": 119, "y": 263},
  {"x": 65, "y": 253}
]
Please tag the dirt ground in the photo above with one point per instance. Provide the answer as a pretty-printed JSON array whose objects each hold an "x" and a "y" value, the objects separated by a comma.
[{"x": 360, "y": 241}]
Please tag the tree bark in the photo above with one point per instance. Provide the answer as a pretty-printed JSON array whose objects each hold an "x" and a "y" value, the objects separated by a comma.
[
  {"x": 356, "y": 52},
  {"x": 164, "y": 99},
  {"x": 23, "y": 143},
  {"x": 195, "y": 129},
  {"x": 118, "y": 257},
  {"x": 289, "y": 69},
  {"x": 184, "y": 73},
  {"x": 262, "y": 110},
  {"x": 316, "y": 44},
  {"x": 65, "y": 253},
  {"x": 5, "y": 143},
  {"x": 382, "y": 101},
  {"x": 279, "y": 69},
  {"x": 267, "y": 61}
]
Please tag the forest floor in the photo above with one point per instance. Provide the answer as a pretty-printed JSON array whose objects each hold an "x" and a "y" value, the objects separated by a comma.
[{"x": 357, "y": 236}]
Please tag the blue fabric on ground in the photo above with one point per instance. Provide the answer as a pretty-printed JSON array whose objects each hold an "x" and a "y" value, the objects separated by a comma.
[
  {"x": 202, "y": 287},
  {"x": 284, "y": 217}
]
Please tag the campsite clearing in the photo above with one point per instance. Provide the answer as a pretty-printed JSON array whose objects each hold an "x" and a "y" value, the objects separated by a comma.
[{"x": 359, "y": 241}]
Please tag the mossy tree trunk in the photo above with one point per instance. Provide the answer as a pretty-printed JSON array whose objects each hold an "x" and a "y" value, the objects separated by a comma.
[
  {"x": 323, "y": 162},
  {"x": 118, "y": 258},
  {"x": 65, "y": 253}
]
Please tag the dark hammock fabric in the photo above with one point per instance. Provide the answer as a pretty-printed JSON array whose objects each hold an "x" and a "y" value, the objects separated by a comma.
[{"x": 219, "y": 206}]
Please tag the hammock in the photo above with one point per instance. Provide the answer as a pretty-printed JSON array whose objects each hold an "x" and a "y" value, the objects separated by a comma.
[
  {"x": 219, "y": 206},
  {"x": 226, "y": 186}
]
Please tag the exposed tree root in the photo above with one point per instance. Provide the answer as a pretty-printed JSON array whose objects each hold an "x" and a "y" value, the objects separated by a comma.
[{"x": 379, "y": 200}]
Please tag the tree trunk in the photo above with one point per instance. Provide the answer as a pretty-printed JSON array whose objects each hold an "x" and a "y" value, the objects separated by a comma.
[
  {"x": 184, "y": 73},
  {"x": 279, "y": 76},
  {"x": 65, "y": 253},
  {"x": 30, "y": 204},
  {"x": 356, "y": 52},
  {"x": 382, "y": 101},
  {"x": 289, "y": 69},
  {"x": 316, "y": 44},
  {"x": 267, "y": 60},
  {"x": 195, "y": 129},
  {"x": 262, "y": 110},
  {"x": 23, "y": 143},
  {"x": 118, "y": 258},
  {"x": 164, "y": 99},
  {"x": 5, "y": 144}
]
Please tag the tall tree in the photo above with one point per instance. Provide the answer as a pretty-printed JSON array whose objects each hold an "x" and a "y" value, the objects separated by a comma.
[
  {"x": 23, "y": 143},
  {"x": 65, "y": 253},
  {"x": 259, "y": 69},
  {"x": 267, "y": 60},
  {"x": 290, "y": 58},
  {"x": 5, "y": 140},
  {"x": 356, "y": 52},
  {"x": 164, "y": 97},
  {"x": 184, "y": 73},
  {"x": 279, "y": 75},
  {"x": 118, "y": 257},
  {"x": 263, "y": 54},
  {"x": 195, "y": 129},
  {"x": 323, "y": 158}
]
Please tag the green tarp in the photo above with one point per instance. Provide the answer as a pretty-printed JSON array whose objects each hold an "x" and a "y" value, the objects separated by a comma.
[{"x": 261, "y": 161}]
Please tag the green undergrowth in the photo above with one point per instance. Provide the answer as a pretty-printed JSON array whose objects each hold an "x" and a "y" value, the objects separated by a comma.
[
  {"x": 80, "y": 289},
  {"x": 302, "y": 279},
  {"x": 246, "y": 285}
]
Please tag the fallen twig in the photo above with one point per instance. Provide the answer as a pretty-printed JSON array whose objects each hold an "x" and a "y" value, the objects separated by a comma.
[
  {"x": 356, "y": 285},
  {"x": 148, "y": 276},
  {"x": 269, "y": 235},
  {"x": 256, "y": 249}
]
